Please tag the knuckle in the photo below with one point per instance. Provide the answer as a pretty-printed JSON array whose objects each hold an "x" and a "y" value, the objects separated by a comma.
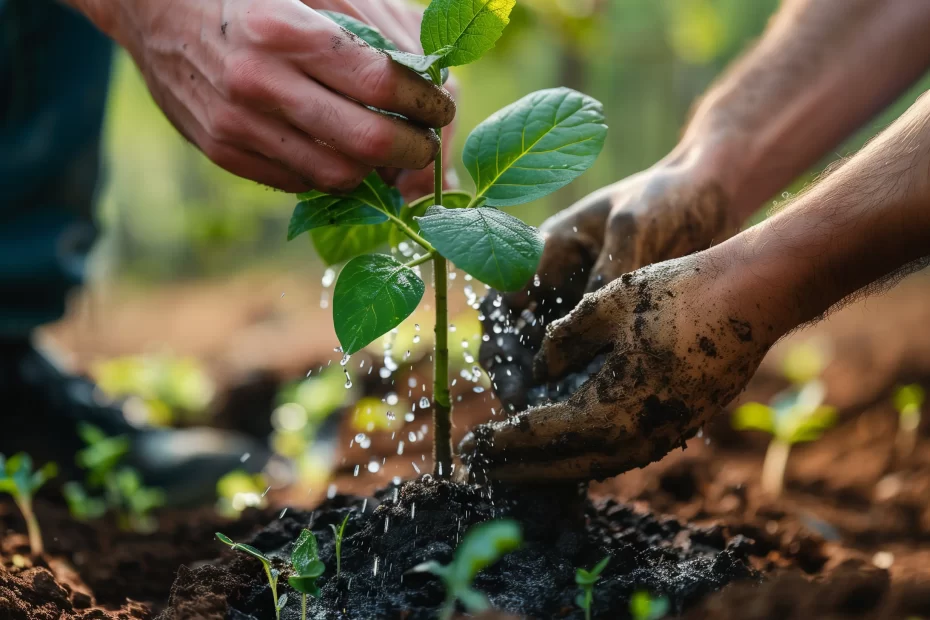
[
  {"x": 243, "y": 78},
  {"x": 374, "y": 141},
  {"x": 379, "y": 80},
  {"x": 267, "y": 27},
  {"x": 226, "y": 124}
]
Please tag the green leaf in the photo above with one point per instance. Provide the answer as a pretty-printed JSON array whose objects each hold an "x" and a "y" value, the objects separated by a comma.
[
  {"x": 282, "y": 601},
  {"x": 587, "y": 578},
  {"x": 469, "y": 27},
  {"x": 376, "y": 193},
  {"x": 336, "y": 244},
  {"x": 373, "y": 295},
  {"x": 581, "y": 600},
  {"x": 812, "y": 426},
  {"x": 600, "y": 566},
  {"x": 474, "y": 602},
  {"x": 46, "y": 473},
  {"x": 754, "y": 416},
  {"x": 491, "y": 245},
  {"x": 535, "y": 146},
  {"x": 454, "y": 199},
  {"x": 432, "y": 566},
  {"x": 482, "y": 546},
  {"x": 223, "y": 538},
  {"x": 331, "y": 211},
  {"x": 369, "y": 34},
  {"x": 305, "y": 585},
  {"x": 226, "y": 540},
  {"x": 418, "y": 62},
  {"x": 305, "y": 553}
]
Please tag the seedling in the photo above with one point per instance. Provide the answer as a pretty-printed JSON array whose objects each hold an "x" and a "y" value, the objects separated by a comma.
[
  {"x": 643, "y": 606},
  {"x": 908, "y": 400},
  {"x": 586, "y": 580},
  {"x": 121, "y": 486},
  {"x": 523, "y": 152},
  {"x": 339, "y": 533},
  {"x": 306, "y": 562},
  {"x": 270, "y": 572},
  {"x": 18, "y": 478},
  {"x": 793, "y": 416},
  {"x": 483, "y": 545}
]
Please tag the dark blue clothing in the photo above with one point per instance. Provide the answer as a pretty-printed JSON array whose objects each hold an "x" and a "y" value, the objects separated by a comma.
[{"x": 54, "y": 75}]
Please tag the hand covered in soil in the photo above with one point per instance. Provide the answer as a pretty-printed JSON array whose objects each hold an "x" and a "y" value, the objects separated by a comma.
[
  {"x": 276, "y": 92},
  {"x": 677, "y": 207},
  {"x": 679, "y": 346}
]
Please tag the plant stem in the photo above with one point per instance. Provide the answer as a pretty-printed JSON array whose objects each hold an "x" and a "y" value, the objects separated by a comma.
[
  {"x": 423, "y": 259},
  {"x": 442, "y": 407},
  {"x": 303, "y": 607},
  {"x": 773, "y": 468},
  {"x": 32, "y": 527},
  {"x": 273, "y": 582}
]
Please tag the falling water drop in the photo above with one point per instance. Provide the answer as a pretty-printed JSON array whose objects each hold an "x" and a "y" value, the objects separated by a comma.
[{"x": 424, "y": 402}]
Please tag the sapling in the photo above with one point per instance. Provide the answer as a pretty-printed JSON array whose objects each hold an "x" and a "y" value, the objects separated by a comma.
[
  {"x": 483, "y": 545},
  {"x": 18, "y": 478},
  {"x": 523, "y": 152},
  {"x": 306, "y": 563},
  {"x": 339, "y": 533},
  {"x": 793, "y": 416},
  {"x": 270, "y": 572},
  {"x": 644, "y": 606},
  {"x": 586, "y": 580},
  {"x": 908, "y": 400}
]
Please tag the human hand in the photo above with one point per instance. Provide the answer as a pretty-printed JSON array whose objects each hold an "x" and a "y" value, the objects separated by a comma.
[
  {"x": 273, "y": 91},
  {"x": 680, "y": 205},
  {"x": 680, "y": 344}
]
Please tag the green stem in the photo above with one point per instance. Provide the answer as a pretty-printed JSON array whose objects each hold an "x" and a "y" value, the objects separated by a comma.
[
  {"x": 409, "y": 231},
  {"x": 442, "y": 406},
  {"x": 274, "y": 590},
  {"x": 423, "y": 259},
  {"x": 303, "y": 607},
  {"x": 32, "y": 527}
]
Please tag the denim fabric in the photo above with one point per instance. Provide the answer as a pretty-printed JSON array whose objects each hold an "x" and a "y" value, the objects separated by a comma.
[{"x": 54, "y": 74}]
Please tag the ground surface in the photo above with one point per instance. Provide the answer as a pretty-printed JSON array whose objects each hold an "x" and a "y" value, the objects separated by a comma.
[{"x": 850, "y": 537}]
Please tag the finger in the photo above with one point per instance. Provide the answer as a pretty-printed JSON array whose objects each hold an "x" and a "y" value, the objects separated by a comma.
[
  {"x": 573, "y": 341},
  {"x": 351, "y": 67},
  {"x": 620, "y": 253}
]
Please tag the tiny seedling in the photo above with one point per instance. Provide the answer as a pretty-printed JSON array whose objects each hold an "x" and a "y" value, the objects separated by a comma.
[
  {"x": 339, "y": 533},
  {"x": 794, "y": 416},
  {"x": 270, "y": 572},
  {"x": 307, "y": 565},
  {"x": 586, "y": 580},
  {"x": 18, "y": 478},
  {"x": 521, "y": 153},
  {"x": 483, "y": 545},
  {"x": 644, "y": 606},
  {"x": 908, "y": 400}
]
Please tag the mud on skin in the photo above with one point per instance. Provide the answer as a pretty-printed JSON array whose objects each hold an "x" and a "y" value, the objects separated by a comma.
[
  {"x": 673, "y": 350},
  {"x": 425, "y": 519}
]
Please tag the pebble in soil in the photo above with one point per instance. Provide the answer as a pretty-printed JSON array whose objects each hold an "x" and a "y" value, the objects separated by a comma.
[{"x": 425, "y": 519}]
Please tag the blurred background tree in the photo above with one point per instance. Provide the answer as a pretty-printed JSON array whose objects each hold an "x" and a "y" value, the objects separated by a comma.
[{"x": 170, "y": 214}]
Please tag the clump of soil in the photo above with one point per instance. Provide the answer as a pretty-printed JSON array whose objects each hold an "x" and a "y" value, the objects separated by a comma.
[{"x": 425, "y": 519}]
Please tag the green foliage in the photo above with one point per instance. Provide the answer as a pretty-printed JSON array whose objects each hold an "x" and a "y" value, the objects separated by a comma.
[
  {"x": 462, "y": 31},
  {"x": 323, "y": 210},
  {"x": 793, "y": 417},
  {"x": 239, "y": 490},
  {"x": 535, "y": 146},
  {"x": 121, "y": 486},
  {"x": 369, "y": 34},
  {"x": 339, "y": 533},
  {"x": 454, "y": 199},
  {"x": 491, "y": 245},
  {"x": 373, "y": 295},
  {"x": 483, "y": 545},
  {"x": 586, "y": 580},
  {"x": 804, "y": 362},
  {"x": 644, "y": 607},
  {"x": 19, "y": 479},
  {"x": 270, "y": 572},
  {"x": 337, "y": 244},
  {"x": 306, "y": 563}
]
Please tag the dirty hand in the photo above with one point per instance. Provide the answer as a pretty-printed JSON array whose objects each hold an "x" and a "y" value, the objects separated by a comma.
[
  {"x": 680, "y": 205},
  {"x": 276, "y": 92},
  {"x": 679, "y": 345}
]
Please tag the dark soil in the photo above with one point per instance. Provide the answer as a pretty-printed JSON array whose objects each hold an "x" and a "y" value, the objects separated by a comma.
[{"x": 425, "y": 519}]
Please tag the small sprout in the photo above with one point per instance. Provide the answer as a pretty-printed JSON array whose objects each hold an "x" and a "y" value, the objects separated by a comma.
[
  {"x": 908, "y": 400},
  {"x": 19, "y": 480},
  {"x": 270, "y": 572},
  {"x": 586, "y": 580},
  {"x": 81, "y": 504},
  {"x": 794, "y": 416},
  {"x": 644, "y": 607},
  {"x": 804, "y": 362},
  {"x": 339, "y": 533},
  {"x": 483, "y": 545},
  {"x": 306, "y": 562}
]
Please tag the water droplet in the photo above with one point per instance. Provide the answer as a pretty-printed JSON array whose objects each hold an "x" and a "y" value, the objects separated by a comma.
[
  {"x": 424, "y": 402},
  {"x": 373, "y": 466},
  {"x": 416, "y": 338},
  {"x": 415, "y": 468},
  {"x": 451, "y": 327},
  {"x": 344, "y": 360},
  {"x": 245, "y": 457},
  {"x": 355, "y": 473},
  {"x": 536, "y": 281},
  {"x": 400, "y": 447},
  {"x": 329, "y": 276},
  {"x": 558, "y": 300},
  {"x": 409, "y": 417},
  {"x": 478, "y": 389},
  {"x": 416, "y": 326},
  {"x": 360, "y": 438},
  {"x": 391, "y": 416},
  {"x": 384, "y": 373},
  {"x": 391, "y": 398}
]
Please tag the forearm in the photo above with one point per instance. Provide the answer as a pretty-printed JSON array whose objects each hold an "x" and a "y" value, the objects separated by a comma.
[
  {"x": 822, "y": 68},
  {"x": 862, "y": 224}
]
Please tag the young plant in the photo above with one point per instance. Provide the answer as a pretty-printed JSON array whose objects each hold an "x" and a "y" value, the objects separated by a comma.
[
  {"x": 18, "y": 478},
  {"x": 339, "y": 533},
  {"x": 270, "y": 572},
  {"x": 482, "y": 546},
  {"x": 523, "y": 152},
  {"x": 793, "y": 416},
  {"x": 908, "y": 400},
  {"x": 643, "y": 606},
  {"x": 306, "y": 562},
  {"x": 586, "y": 580}
]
